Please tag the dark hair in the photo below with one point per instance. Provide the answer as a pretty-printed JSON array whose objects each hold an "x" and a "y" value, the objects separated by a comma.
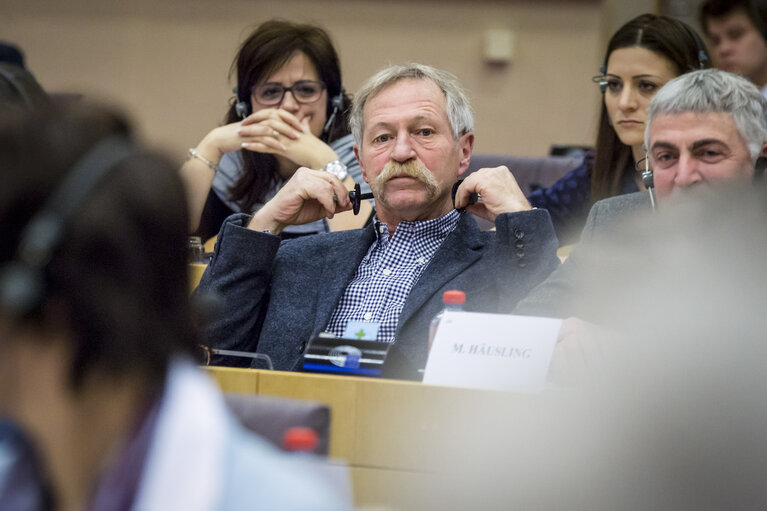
[
  {"x": 11, "y": 54},
  {"x": 756, "y": 10},
  {"x": 266, "y": 50},
  {"x": 669, "y": 38},
  {"x": 117, "y": 281}
]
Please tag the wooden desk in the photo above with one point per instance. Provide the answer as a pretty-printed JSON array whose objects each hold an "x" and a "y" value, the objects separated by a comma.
[
  {"x": 195, "y": 274},
  {"x": 397, "y": 437}
]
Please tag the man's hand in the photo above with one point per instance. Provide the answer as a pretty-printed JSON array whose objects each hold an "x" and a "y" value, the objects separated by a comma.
[
  {"x": 499, "y": 191},
  {"x": 308, "y": 196}
]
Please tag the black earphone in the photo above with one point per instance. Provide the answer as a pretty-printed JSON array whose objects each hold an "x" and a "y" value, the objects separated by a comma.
[
  {"x": 242, "y": 108},
  {"x": 337, "y": 102},
  {"x": 759, "y": 168},
  {"x": 13, "y": 79},
  {"x": 22, "y": 280}
]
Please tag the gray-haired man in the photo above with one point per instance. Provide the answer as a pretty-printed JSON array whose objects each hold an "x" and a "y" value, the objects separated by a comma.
[
  {"x": 413, "y": 130},
  {"x": 705, "y": 129}
]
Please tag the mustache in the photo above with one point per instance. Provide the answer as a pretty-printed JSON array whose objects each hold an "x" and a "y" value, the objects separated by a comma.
[{"x": 411, "y": 168}]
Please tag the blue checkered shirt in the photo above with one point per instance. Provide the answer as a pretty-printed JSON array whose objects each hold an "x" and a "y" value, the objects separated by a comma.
[{"x": 388, "y": 272}]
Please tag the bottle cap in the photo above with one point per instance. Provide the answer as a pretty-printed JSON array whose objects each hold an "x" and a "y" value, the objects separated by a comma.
[
  {"x": 454, "y": 297},
  {"x": 299, "y": 439}
]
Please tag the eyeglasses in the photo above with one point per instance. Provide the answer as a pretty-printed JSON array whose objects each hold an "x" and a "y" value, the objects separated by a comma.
[{"x": 304, "y": 91}]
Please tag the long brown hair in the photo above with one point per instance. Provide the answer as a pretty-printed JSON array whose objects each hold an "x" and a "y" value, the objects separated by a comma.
[
  {"x": 669, "y": 38},
  {"x": 266, "y": 50}
]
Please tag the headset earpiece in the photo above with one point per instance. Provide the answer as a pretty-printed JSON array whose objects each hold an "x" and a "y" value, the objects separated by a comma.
[
  {"x": 700, "y": 46},
  {"x": 601, "y": 79},
  {"x": 759, "y": 168},
  {"x": 13, "y": 79},
  {"x": 22, "y": 281},
  {"x": 242, "y": 108},
  {"x": 337, "y": 102}
]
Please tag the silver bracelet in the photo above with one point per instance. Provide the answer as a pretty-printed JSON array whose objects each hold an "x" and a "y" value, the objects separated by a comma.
[{"x": 194, "y": 154}]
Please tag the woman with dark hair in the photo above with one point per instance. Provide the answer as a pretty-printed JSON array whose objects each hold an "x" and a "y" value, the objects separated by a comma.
[
  {"x": 290, "y": 111},
  {"x": 641, "y": 57}
]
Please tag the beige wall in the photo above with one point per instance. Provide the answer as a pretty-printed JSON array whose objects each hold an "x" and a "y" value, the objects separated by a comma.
[{"x": 166, "y": 61}]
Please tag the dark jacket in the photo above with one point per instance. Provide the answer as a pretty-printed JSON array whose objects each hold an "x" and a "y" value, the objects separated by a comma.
[{"x": 279, "y": 296}]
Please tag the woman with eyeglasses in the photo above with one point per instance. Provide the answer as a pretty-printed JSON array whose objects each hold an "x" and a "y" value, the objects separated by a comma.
[
  {"x": 290, "y": 111},
  {"x": 641, "y": 57}
]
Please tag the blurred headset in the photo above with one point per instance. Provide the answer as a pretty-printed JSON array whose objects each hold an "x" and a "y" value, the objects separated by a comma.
[
  {"x": 12, "y": 75},
  {"x": 242, "y": 107},
  {"x": 701, "y": 52},
  {"x": 22, "y": 280}
]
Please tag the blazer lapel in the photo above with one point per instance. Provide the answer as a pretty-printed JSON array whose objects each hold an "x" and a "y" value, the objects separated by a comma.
[
  {"x": 342, "y": 258},
  {"x": 459, "y": 250}
]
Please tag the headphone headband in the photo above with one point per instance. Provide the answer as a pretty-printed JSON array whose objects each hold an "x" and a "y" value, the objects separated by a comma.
[
  {"x": 13, "y": 79},
  {"x": 22, "y": 282}
]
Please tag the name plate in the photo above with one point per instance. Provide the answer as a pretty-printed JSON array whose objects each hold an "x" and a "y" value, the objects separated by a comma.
[{"x": 492, "y": 351}]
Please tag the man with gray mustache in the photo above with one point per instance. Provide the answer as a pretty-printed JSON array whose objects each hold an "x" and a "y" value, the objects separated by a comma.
[{"x": 413, "y": 130}]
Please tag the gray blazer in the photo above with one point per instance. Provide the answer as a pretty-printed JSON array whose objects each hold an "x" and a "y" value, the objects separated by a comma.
[
  {"x": 558, "y": 295},
  {"x": 277, "y": 297}
]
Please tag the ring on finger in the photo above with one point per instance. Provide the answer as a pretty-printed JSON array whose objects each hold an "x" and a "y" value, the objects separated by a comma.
[{"x": 275, "y": 134}]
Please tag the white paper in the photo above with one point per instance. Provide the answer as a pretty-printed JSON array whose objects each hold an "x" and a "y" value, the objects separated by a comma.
[{"x": 492, "y": 351}]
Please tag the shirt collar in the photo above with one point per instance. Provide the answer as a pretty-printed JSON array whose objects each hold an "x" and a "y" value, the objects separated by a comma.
[{"x": 436, "y": 228}]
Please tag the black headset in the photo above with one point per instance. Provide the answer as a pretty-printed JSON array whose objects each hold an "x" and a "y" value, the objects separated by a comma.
[
  {"x": 22, "y": 280},
  {"x": 12, "y": 77},
  {"x": 242, "y": 108},
  {"x": 700, "y": 46}
]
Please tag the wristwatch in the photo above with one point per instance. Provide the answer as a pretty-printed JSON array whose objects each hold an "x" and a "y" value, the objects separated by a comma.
[{"x": 336, "y": 168}]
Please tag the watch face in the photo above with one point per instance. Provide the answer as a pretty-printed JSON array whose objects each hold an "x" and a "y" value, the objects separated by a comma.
[{"x": 337, "y": 168}]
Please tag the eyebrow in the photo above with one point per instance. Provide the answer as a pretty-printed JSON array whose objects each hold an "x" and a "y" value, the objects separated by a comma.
[
  {"x": 706, "y": 141},
  {"x": 415, "y": 120},
  {"x": 636, "y": 76},
  {"x": 660, "y": 144}
]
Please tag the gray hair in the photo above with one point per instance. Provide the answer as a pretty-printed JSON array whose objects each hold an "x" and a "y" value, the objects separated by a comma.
[
  {"x": 457, "y": 105},
  {"x": 715, "y": 91}
]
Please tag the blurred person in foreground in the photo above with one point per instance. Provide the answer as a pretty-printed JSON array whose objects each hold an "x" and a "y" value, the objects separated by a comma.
[
  {"x": 96, "y": 334},
  {"x": 413, "y": 131},
  {"x": 676, "y": 418},
  {"x": 705, "y": 129},
  {"x": 737, "y": 33}
]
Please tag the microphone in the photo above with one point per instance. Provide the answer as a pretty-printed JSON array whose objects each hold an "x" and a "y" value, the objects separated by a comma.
[
  {"x": 647, "y": 180},
  {"x": 356, "y": 196}
]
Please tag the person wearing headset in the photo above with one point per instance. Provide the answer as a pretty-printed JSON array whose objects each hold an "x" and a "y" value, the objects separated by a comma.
[
  {"x": 641, "y": 56},
  {"x": 97, "y": 337},
  {"x": 290, "y": 111},
  {"x": 706, "y": 132}
]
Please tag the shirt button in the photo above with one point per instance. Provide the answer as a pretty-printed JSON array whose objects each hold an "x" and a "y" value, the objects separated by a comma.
[
  {"x": 421, "y": 260},
  {"x": 382, "y": 229},
  {"x": 386, "y": 271},
  {"x": 367, "y": 316}
]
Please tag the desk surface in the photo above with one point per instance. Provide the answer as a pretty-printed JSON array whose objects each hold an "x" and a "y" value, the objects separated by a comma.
[{"x": 396, "y": 436}]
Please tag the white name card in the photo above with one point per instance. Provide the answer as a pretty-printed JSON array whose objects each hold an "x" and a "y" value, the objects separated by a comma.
[{"x": 492, "y": 351}]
